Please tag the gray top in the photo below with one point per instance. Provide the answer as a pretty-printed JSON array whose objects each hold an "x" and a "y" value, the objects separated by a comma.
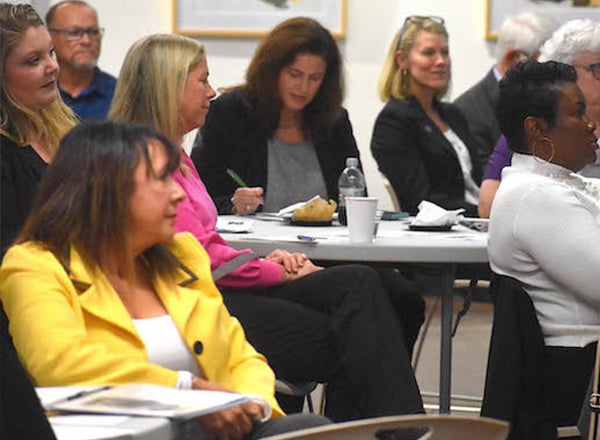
[{"x": 294, "y": 174}]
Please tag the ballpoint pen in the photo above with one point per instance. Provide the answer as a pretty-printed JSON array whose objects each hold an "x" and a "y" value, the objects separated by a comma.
[
  {"x": 237, "y": 179},
  {"x": 86, "y": 393},
  {"x": 309, "y": 238}
]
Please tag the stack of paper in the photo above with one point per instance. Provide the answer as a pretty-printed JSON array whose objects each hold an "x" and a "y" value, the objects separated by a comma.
[{"x": 139, "y": 400}]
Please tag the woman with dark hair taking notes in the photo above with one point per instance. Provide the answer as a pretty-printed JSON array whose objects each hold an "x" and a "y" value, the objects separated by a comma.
[
  {"x": 122, "y": 299},
  {"x": 33, "y": 117},
  {"x": 312, "y": 324},
  {"x": 544, "y": 226},
  {"x": 284, "y": 131},
  {"x": 422, "y": 145}
]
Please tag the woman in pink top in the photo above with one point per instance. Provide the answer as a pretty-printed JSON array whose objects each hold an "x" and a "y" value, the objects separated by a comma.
[{"x": 333, "y": 325}]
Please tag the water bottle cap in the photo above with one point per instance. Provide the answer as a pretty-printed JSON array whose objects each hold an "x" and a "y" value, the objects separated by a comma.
[{"x": 352, "y": 162}]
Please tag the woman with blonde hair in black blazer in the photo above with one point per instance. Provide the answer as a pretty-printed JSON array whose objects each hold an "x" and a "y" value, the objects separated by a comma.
[{"x": 422, "y": 145}]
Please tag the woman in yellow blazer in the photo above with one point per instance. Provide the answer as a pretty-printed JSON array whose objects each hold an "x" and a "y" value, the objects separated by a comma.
[{"x": 99, "y": 291}]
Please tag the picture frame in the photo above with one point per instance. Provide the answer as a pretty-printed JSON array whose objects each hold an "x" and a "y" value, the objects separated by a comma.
[
  {"x": 560, "y": 10},
  {"x": 252, "y": 18}
]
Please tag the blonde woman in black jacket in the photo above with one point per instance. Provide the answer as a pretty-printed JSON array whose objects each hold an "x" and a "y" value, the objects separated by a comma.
[{"x": 424, "y": 146}]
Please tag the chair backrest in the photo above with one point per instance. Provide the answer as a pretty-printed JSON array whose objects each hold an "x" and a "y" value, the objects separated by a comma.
[
  {"x": 297, "y": 389},
  {"x": 440, "y": 427},
  {"x": 513, "y": 383},
  {"x": 518, "y": 387},
  {"x": 390, "y": 189},
  {"x": 515, "y": 355}
]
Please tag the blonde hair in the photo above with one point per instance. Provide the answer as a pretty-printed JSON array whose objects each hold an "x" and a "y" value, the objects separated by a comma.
[
  {"x": 151, "y": 80},
  {"x": 18, "y": 122},
  {"x": 393, "y": 81}
]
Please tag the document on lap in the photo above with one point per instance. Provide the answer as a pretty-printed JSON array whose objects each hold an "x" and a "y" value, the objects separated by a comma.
[{"x": 139, "y": 400}]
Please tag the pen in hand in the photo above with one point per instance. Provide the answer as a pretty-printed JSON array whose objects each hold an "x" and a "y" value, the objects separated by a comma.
[{"x": 237, "y": 179}]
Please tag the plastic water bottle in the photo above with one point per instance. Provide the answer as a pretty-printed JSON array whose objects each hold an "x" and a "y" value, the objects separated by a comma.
[{"x": 350, "y": 184}]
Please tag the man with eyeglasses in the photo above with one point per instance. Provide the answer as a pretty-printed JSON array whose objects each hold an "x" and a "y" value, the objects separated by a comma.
[
  {"x": 77, "y": 38},
  {"x": 519, "y": 38}
]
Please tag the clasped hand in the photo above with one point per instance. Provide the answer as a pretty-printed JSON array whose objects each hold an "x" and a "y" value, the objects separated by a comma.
[{"x": 293, "y": 266}]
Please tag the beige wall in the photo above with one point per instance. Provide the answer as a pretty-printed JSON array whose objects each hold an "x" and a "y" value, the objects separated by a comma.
[{"x": 371, "y": 25}]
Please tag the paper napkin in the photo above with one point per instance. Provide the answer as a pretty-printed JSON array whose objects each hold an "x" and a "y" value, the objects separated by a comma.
[{"x": 431, "y": 214}]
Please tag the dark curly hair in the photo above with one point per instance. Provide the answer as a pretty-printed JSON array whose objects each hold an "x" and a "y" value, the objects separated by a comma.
[
  {"x": 530, "y": 89},
  {"x": 280, "y": 47}
]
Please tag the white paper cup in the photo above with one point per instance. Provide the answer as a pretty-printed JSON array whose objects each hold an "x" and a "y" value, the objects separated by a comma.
[{"x": 361, "y": 218}]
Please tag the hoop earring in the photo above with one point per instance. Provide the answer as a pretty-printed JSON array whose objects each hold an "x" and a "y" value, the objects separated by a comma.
[{"x": 539, "y": 159}]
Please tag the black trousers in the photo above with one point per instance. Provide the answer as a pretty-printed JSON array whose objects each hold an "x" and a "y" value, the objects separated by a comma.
[{"x": 336, "y": 326}]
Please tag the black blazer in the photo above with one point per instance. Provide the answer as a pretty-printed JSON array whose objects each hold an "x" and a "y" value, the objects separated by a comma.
[
  {"x": 417, "y": 159},
  {"x": 233, "y": 138},
  {"x": 21, "y": 170},
  {"x": 478, "y": 105}
]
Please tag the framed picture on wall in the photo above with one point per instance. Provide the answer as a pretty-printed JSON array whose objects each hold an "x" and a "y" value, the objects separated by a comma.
[
  {"x": 560, "y": 10},
  {"x": 252, "y": 18}
]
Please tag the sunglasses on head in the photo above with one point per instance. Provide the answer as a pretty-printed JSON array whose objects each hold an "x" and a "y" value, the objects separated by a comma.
[{"x": 416, "y": 19}]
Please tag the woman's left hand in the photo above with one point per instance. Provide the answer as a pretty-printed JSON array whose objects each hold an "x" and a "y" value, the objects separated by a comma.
[
  {"x": 229, "y": 424},
  {"x": 291, "y": 262}
]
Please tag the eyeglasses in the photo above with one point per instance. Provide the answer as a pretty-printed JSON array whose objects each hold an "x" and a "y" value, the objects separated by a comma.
[
  {"x": 416, "y": 19},
  {"x": 76, "y": 33},
  {"x": 524, "y": 55},
  {"x": 594, "y": 69}
]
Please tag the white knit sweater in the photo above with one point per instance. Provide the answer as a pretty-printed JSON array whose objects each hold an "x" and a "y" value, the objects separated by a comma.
[{"x": 545, "y": 232}]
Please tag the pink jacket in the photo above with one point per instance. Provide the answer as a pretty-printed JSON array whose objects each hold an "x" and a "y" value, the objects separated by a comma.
[{"x": 197, "y": 214}]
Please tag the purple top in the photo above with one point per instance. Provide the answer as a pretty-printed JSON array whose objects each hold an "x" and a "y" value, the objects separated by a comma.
[
  {"x": 500, "y": 158},
  {"x": 197, "y": 214}
]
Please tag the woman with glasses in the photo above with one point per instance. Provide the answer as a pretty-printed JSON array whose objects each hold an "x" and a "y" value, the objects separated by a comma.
[
  {"x": 577, "y": 43},
  {"x": 423, "y": 146},
  {"x": 33, "y": 117}
]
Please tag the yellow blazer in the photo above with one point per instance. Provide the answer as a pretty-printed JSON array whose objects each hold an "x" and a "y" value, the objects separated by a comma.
[{"x": 73, "y": 329}]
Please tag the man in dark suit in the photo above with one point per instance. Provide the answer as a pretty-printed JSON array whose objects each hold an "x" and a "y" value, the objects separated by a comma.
[{"x": 519, "y": 38}]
